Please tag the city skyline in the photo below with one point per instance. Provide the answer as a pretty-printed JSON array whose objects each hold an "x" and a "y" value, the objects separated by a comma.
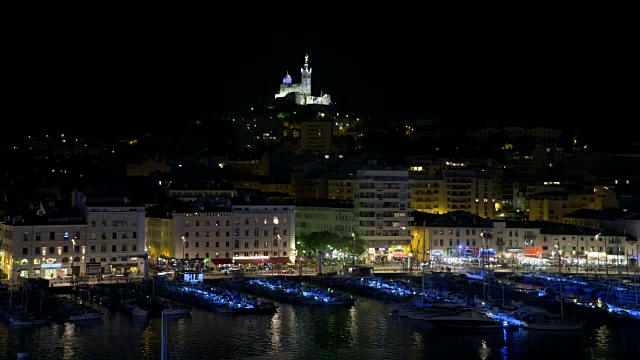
[{"x": 512, "y": 71}]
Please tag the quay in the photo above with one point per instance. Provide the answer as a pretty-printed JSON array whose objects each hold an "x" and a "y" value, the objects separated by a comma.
[{"x": 390, "y": 270}]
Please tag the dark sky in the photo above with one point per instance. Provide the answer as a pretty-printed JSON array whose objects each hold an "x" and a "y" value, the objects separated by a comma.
[{"x": 127, "y": 68}]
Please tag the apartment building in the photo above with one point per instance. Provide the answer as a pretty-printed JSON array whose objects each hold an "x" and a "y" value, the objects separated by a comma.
[
  {"x": 316, "y": 137},
  {"x": 46, "y": 246},
  {"x": 231, "y": 231},
  {"x": 116, "y": 243},
  {"x": 340, "y": 189},
  {"x": 428, "y": 194},
  {"x": 461, "y": 237},
  {"x": 263, "y": 233},
  {"x": 97, "y": 236},
  {"x": 333, "y": 216},
  {"x": 555, "y": 205},
  {"x": 383, "y": 213}
]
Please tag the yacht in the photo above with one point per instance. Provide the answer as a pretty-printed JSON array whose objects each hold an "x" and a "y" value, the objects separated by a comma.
[
  {"x": 465, "y": 320},
  {"x": 432, "y": 310},
  {"x": 551, "y": 322},
  {"x": 479, "y": 274},
  {"x": 170, "y": 308},
  {"x": 85, "y": 314},
  {"x": 28, "y": 320}
]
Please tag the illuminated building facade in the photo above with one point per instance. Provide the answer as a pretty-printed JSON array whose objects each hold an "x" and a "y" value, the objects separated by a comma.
[{"x": 302, "y": 91}]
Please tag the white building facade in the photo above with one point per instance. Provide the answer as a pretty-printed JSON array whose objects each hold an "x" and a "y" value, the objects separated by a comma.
[
  {"x": 242, "y": 234},
  {"x": 99, "y": 239},
  {"x": 383, "y": 213},
  {"x": 115, "y": 241}
]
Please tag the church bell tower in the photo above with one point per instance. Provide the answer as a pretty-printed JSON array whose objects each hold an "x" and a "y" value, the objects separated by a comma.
[{"x": 305, "y": 86}]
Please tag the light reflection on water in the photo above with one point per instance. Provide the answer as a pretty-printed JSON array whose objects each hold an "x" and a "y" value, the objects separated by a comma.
[{"x": 366, "y": 331}]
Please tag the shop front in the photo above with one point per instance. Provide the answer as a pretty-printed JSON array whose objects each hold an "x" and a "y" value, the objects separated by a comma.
[
  {"x": 92, "y": 268},
  {"x": 50, "y": 270},
  {"x": 437, "y": 256},
  {"x": 124, "y": 267},
  {"x": 453, "y": 254},
  {"x": 381, "y": 255}
]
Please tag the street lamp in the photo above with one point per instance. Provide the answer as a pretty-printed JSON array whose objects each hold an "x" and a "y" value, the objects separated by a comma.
[
  {"x": 598, "y": 250},
  {"x": 576, "y": 257},
  {"x": 278, "y": 253},
  {"x": 183, "y": 244},
  {"x": 353, "y": 251},
  {"x": 559, "y": 257},
  {"x": 73, "y": 259},
  {"x": 484, "y": 251}
]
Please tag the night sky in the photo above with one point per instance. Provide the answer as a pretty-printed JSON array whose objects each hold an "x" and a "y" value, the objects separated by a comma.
[{"x": 122, "y": 69}]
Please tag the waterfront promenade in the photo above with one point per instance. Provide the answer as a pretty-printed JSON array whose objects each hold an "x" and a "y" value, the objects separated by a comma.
[{"x": 393, "y": 270}]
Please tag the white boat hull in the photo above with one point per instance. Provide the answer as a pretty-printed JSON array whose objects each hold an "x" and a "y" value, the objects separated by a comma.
[
  {"x": 554, "y": 325},
  {"x": 140, "y": 312},
  {"x": 176, "y": 311}
]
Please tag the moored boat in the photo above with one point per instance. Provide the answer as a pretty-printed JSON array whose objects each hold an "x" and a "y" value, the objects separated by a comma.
[
  {"x": 140, "y": 312},
  {"x": 466, "y": 320},
  {"x": 256, "y": 307},
  {"x": 171, "y": 308},
  {"x": 432, "y": 310},
  {"x": 29, "y": 320},
  {"x": 546, "y": 322},
  {"x": 85, "y": 314}
]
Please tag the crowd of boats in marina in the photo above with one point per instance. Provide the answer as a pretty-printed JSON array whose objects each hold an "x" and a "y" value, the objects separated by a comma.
[
  {"x": 290, "y": 291},
  {"x": 49, "y": 309},
  {"x": 536, "y": 301},
  {"x": 39, "y": 306},
  {"x": 557, "y": 301}
]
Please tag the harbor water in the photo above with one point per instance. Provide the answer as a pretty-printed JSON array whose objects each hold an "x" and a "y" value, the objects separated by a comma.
[{"x": 367, "y": 330}]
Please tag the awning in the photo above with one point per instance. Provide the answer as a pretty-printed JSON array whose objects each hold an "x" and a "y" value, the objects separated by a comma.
[
  {"x": 248, "y": 261},
  {"x": 281, "y": 260},
  {"x": 400, "y": 255},
  {"x": 220, "y": 261}
]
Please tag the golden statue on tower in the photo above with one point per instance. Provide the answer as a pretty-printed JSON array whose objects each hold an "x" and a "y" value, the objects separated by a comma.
[{"x": 306, "y": 58}]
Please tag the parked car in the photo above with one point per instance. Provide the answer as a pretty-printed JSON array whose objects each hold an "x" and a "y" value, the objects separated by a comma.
[{"x": 252, "y": 268}]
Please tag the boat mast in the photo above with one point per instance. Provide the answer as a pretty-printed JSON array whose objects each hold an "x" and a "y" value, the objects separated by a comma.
[
  {"x": 424, "y": 251},
  {"x": 13, "y": 284},
  {"x": 483, "y": 272},
  {"x": 560, "y": 279},
  {"x": 577, "y": 259},
  {"x": 618, "y": 266},
  {"x": 163, "y": 343},
  {"x": 635, "y": 274}
]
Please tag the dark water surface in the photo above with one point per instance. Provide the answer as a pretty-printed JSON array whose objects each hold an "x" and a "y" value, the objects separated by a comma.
[{"x": 366, "y": 331}]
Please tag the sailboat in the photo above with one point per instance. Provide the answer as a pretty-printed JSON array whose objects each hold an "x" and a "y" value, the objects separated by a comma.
[
  {"x": 548, "y": 321},
  {"x": 626, "y": 300},
  {"x": 28, "y": 318}
]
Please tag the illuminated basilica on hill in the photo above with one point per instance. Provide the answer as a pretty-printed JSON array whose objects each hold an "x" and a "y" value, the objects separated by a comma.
[{"x": 301, "y": 92}]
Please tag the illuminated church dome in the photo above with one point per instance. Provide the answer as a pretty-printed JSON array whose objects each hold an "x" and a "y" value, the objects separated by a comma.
[
  {"x": 287, "y": 79},
  {"x": 301, "y": 91}
]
